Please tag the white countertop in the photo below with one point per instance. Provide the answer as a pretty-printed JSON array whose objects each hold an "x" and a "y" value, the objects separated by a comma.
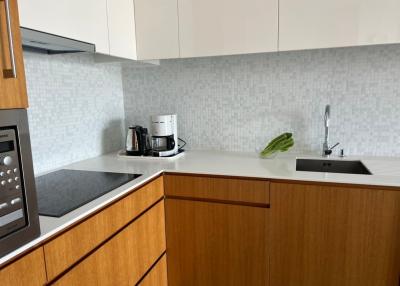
[{"x": 386, "y": 172}]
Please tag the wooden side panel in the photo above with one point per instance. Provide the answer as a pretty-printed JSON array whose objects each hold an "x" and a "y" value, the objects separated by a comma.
[
  {"x": 216, "y": 244},
  {"x": 12, "y": 90},
  {"x": 226, "y": 189},
  {"x": 158, "y": 275},
  {"x": 126, "y": 257},
  {"x": 334, "y": 236},
  {"x": 28, "y": 270},
  {"x": 69, "y": 247}
]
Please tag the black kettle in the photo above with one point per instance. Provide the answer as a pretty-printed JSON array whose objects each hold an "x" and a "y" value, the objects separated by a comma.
[{"x": 137, "y": 141}]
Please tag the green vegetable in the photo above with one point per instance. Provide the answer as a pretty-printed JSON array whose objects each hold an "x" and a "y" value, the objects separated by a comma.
[{"x": 282, "y": 143}]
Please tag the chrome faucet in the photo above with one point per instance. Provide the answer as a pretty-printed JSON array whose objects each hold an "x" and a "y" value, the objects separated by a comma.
[{"x": 326, "y": 150}]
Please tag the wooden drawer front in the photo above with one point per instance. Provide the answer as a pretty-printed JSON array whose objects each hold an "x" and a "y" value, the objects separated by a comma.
[
  {"x": 214, "y": 188},
  {"x": 125, "y": 258},
  {"x": 158, "y": 275},
  {"x": 29, "y": 270},
  {"x": 216, "y": 244},
  {"x": 69, "y": 247}
]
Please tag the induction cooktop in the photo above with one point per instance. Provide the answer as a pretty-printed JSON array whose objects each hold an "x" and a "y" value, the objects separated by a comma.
[{"x": 63, "y": 191}]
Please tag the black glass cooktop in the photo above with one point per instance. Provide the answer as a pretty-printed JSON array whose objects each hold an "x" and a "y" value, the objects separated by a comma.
[{"x": 63, "y": 191}]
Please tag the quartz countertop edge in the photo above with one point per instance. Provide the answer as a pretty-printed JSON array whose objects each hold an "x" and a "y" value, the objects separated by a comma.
[{"x": 386, "y": 173}]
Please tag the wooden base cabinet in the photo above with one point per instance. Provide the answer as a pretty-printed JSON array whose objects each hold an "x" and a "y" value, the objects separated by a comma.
[
  {"x": 158, "y": 274},
  {"x": 216, "y": 244},
  {"x": 334, "y": 236},
  {"x": 28, "y": 270},
  {"x": 125, "y": 258}
]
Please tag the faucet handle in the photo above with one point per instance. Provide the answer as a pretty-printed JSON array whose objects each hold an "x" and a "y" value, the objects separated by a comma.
[
  {"x": 334, "y": 146},
  {"x": 328, "y": 152}
]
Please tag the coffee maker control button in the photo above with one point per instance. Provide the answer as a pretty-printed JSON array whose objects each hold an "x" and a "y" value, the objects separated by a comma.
[
  {"x": 6, "y": 160},
  {"x": 2, "y": 174},
  {"x": 16, "y": 179},
  {"x": 15, "y": 170},
  {"x": 17, "y": 187},
  {"x": 9, "y": 172},
  {"x": 3, "y": 183},
  {"x": 3, "y": 206}
]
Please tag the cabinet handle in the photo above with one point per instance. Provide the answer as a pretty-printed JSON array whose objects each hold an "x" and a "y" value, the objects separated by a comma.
[{"x": 10, "y": 73}]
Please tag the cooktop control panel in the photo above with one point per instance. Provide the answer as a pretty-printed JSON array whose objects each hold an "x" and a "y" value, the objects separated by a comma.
[{"x": 11, "y": 188}]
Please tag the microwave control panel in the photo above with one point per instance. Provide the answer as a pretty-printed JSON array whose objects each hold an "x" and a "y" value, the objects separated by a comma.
[{"x": 12, "y": 206}]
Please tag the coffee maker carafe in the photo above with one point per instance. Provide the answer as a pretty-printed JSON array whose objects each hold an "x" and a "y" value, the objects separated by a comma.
[{"x": 164, "y": 135}]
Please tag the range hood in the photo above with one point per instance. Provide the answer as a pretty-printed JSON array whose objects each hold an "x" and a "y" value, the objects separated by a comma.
[{"x": 33, "y": 40}]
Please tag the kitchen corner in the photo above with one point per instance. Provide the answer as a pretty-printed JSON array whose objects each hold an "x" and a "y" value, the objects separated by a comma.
[{"x": 199, "y": 142}]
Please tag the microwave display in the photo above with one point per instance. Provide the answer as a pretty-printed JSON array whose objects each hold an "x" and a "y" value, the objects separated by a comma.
[{"x": 6, "y": 146}]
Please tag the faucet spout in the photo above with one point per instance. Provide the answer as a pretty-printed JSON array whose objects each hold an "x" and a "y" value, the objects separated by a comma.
[
  {"x": 327, "y": 119},
  {"x": 326, "y": 150}
]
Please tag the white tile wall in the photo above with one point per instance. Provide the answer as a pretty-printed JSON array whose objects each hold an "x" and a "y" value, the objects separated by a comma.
[
  {"x": 76, "y": 108},
  {"x": 241, "y": 102}
]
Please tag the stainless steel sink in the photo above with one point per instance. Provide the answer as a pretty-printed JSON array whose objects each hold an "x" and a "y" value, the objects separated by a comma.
[{"x": 332, "y": 166}]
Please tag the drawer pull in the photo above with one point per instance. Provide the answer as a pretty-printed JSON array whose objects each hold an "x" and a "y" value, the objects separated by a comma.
[{"x": 10, "y": 73}]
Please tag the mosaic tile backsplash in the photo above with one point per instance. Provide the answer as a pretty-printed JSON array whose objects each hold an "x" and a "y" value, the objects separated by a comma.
[
  {"x": 239, "y": 103},
  {"x": 76, "y": 108}
]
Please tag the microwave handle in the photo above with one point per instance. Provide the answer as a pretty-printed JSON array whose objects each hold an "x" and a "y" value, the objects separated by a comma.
[{"x": 10, "y": 73}]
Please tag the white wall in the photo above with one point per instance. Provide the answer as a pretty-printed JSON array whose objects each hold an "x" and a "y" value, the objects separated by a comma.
[
  {"x": 240, "y": 102},
  {"x": 76, "y": 108}
]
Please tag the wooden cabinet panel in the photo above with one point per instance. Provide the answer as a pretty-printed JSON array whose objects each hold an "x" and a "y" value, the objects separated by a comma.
[
  {"x": 334, "y": 236},
  {"x": 313, "y": 24},
  {"x": 12, "y": 90},
  {"x": 158, "y": 275},
  {"x": 69, "y": 247},
  {"x": 224, "y": 27},
  {"x": 214, "y": 188},
  {"x": 28, "y": 270},
  {"x": 216, "y": 244},
  {"x": 125, "y": 258}
]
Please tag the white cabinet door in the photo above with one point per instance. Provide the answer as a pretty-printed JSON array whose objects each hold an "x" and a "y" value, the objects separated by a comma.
[
  {"x": 121, "y": 26},
  {"x": 84, "y": 20},
  {"x": 156, "y": 29},
  {"x": 224, "y": 27},
  {"x": 310, "y": 24},
  {"x": 143, "y": 29}
]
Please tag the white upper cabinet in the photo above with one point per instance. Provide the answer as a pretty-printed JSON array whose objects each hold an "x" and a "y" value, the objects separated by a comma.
[
  {"x": 224, "y": 27},
  {"x": 83, "y": 20},
  {"x": 312, "y": 24},
  {"x": 143, "y": 29}
]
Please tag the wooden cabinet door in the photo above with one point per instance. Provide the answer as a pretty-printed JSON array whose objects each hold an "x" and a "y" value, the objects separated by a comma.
[
  {"x": 125, "y": 258},
  {"x": 28, "y": 270},
  {"x": 216, "y": 244},
  {"x": 12, "y": 80},
  {"x": 334, "y": 236},
  {"x": 313, "y": 24},
  {"x": 69, "y": 247},
  {"x": 225, "y": 27},
  {"x": 158, "y": 274}
]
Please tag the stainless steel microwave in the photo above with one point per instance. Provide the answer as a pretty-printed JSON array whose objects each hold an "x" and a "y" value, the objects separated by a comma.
[{"x": 19, "y": 219}]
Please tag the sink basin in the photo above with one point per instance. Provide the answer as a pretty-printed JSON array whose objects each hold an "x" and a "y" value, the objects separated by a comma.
[{"x": 332, "y": 166}]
